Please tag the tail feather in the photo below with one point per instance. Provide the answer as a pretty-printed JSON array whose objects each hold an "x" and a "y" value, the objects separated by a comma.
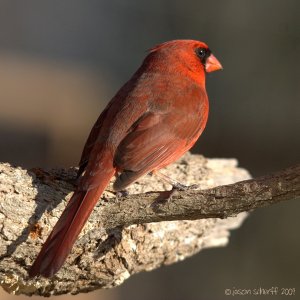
[{"x": 64, "y": 234}]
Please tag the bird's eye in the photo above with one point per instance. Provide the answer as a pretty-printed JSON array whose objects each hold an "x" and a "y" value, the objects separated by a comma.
[{"x": 201, "y": 52}]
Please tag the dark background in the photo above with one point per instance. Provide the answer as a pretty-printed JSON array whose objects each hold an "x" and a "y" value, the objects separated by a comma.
[{"x": 62, "y": 61}]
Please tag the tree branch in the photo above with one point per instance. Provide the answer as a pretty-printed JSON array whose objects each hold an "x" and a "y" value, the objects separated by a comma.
[{"x": 116, "y": 242}]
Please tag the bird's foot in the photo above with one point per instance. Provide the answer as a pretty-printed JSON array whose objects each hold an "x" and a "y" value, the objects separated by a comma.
[
  {"x": 166, "y": 196},
  {"x": 174, "y": 183},
  {"x": 117, "y": 194},
  {"x": 181, "y": 187},
  {"x": 121, "y": 194}
]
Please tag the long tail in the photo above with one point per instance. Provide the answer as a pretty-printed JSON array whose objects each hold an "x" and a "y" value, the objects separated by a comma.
[{"x": 64, "y": 234}]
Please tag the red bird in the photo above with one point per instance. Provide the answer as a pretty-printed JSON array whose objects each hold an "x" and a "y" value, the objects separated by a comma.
[{"x": 152, "y": 121}]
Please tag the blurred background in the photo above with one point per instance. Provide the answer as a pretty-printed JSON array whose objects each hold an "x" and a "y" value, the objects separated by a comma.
[{"x": 62, "y": 61}]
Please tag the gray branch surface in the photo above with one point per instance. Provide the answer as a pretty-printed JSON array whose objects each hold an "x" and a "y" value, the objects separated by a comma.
[{"x": 124, "y": 236}]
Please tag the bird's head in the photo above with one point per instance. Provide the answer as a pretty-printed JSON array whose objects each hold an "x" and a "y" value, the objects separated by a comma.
[
  {"x": 193, "y": 55},
  {"x": 208, "y": 60}
]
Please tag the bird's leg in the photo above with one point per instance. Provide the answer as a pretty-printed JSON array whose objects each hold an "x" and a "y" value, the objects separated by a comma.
[{"x": 175, "y": 184}]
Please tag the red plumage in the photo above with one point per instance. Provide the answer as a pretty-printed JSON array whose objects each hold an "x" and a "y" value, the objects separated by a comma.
[{"x": 153, "y": 120}]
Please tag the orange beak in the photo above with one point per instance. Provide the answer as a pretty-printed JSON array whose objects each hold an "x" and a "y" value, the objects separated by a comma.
[{"x": 212, "y": 64}]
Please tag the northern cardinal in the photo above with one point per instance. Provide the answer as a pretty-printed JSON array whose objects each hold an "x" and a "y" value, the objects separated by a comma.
[{"x": 152, "y": 121}]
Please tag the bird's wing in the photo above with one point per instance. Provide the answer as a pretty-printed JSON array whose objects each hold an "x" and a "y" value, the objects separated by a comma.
[
  {"x": 91, "y": 140},
  {"x": 154, "y": 141},
  {"x": 120, "y": 108}
]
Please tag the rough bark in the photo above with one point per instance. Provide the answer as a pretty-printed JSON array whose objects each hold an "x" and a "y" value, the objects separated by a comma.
[{"x": 119, "y": 239}]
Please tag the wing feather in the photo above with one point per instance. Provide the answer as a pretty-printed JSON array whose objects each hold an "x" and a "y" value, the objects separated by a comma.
[{"x": 154, "y": 143}]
